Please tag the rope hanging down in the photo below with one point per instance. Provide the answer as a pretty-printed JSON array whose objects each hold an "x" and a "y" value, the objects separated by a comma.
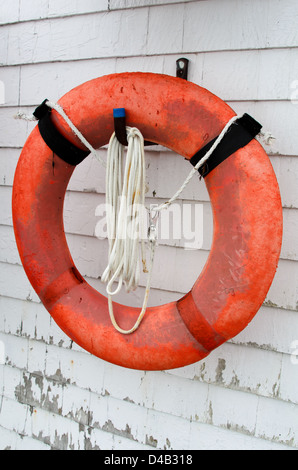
[{"x": 124, "y": 198}]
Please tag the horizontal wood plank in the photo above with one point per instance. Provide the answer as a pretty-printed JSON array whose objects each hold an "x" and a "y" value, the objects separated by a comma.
[
  {"x": 259, "y": 25},
  {"x": 244, "y": 75}
]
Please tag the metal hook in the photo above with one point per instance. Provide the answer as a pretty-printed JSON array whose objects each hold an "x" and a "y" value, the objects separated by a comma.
[
  {"x": 120, "y": 127},
  {"x": 152, "y": 222},
  {"x": 182, "y": 68}
]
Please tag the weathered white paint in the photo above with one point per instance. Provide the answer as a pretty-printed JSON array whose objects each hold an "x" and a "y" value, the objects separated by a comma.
[{"x": 52, "y": 393}]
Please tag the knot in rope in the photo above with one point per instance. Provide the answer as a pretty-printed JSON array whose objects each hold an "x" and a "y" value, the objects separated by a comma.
[{"x": 133, "y": 132}]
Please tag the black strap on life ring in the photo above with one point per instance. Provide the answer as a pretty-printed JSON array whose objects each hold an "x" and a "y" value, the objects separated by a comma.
[
  {"x": 68, "y": 152},
  {"x": 241, "y": 132},
  {"x": 238, "y": 136},
  {"x": 62, "y": 147}
]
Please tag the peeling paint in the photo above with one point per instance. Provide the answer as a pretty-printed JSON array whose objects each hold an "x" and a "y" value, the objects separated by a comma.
[
  {"x": 276, "y": 387},
  {"x": 42, "y": 438},
  {"x": 81, "y": 416},
  {"x": 269, "y": 303},
  {"x": 51, "y": 404},
  {"x": 219, "y": 370},
  {"x": 61, "y": 442},
  {"x": 210, "y": 414},
  {"x": 24, "y": 391},
  {"x": 201, "y": 373},
  {"x": 129, "y": 400},
  {"x": 89, "y": 446},
  {"x": 168, "y": 444},
  {"x": 238, "y": 428},
  {"x": 109, "y": 427},
  {"x": 150, "y": 441},
  {"x": 235, "y": 382},
  {"x": 58, "y": 377}
]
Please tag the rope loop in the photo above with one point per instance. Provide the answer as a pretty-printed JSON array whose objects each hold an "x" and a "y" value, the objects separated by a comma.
[{"x": 125, "y": 200}]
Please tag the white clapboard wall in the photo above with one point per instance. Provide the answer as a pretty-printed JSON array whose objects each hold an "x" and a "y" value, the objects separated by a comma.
[{"x": 54, "y": 395}]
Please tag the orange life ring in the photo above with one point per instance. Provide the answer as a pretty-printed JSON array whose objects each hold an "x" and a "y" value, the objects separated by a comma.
[{"x": 247, "y": 227}]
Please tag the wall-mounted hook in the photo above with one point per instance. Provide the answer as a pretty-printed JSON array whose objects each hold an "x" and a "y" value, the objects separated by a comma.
[
  {"x": 120, "y": 127},
  {"x": 182, "y": 68}
]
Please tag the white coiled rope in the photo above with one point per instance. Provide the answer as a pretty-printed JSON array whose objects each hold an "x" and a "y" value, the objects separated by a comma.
[{"x": 124, "y": 199}]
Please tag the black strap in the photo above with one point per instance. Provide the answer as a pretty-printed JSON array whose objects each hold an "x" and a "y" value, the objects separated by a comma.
[
  {"x": 241, "y": 132},
  {"x": 68, "y": 152}
]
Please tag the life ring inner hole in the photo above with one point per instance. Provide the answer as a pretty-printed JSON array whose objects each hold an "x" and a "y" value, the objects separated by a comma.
[{"x": 185, "y": 229}]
